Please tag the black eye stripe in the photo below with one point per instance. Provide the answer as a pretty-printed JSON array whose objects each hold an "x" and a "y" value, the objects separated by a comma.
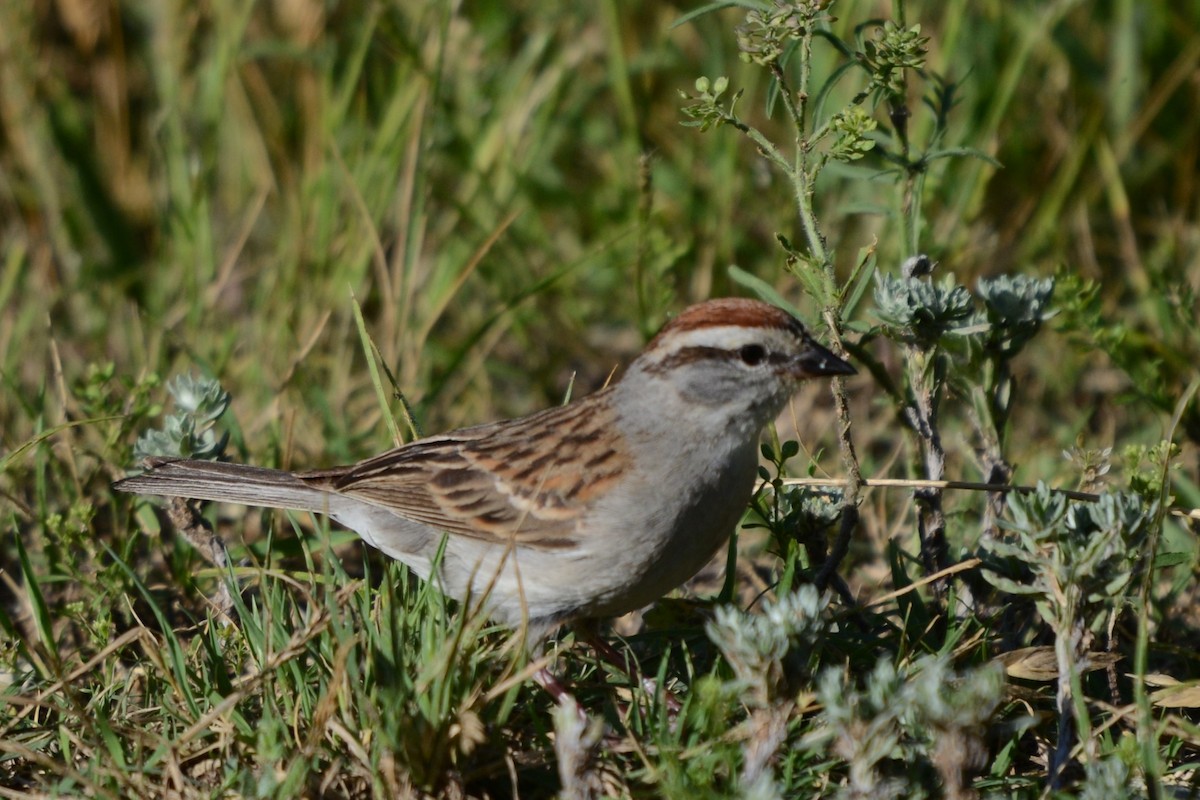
[{"x": 689, "y": 355}]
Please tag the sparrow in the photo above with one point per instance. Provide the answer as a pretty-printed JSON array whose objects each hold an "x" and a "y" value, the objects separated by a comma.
[{"x": 583, "y": 511}]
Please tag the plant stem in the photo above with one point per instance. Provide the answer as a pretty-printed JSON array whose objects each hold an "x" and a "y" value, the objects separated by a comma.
[
  {"x": 922, "y": 413},
  {"x": 803, "y": 178},
  {"x": 1073, "y": 724},
  {"x": 801, "y": 174}
]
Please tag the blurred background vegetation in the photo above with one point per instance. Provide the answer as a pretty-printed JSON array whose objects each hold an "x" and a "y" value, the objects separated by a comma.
[
  {"x": 205, "y": 185},
  {"x": 507, "y": 191}
]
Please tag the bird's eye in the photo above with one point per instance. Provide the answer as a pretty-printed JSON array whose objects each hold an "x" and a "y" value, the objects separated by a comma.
[{"x": 753, "y": 354}]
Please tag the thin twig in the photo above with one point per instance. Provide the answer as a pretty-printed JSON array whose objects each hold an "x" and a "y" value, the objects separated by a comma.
[
  {"x": 961, "y": 566},
  {"x": 971, "y": 486}
]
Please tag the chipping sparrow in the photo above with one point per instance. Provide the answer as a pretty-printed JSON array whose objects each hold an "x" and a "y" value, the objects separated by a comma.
[{"x": 586, "y": 510}]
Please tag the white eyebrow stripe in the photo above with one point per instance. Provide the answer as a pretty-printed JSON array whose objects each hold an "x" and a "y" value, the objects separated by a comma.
[{"x": 729, "y": 337}]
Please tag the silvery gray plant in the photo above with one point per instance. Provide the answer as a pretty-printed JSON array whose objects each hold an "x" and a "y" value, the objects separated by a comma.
[
  {"x": 950, "y": 335},
  {"x": 191, "y": 431},
  {"x": 1077, "y": 562},
  {"x": 761, "y": 648},
  {"x": 923, "y": 713},
  {"x": 756, "y": 643}
]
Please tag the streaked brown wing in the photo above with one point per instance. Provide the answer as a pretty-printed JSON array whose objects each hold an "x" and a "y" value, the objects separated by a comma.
[{"x": 497, "y": 481}]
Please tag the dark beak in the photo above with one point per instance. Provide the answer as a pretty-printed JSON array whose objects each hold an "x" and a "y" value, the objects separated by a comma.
[{"x": 816, "y": 361}]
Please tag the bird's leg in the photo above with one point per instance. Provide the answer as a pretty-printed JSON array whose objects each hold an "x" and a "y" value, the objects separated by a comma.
[
  {"x": 627, "y": 665},
  {"x": 561, "y": 694}
]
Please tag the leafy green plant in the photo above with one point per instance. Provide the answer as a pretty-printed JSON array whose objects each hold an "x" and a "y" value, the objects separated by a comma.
[{"x": 916, "y": 312}]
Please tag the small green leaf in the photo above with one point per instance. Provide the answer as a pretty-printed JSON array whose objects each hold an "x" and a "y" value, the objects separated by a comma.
[
  {"x": 1163, "y": 560},
  {"x": 43, "y": 621}
]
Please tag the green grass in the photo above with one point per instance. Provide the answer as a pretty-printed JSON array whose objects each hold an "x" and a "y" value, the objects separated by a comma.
[{"x": 508, "y": 195}]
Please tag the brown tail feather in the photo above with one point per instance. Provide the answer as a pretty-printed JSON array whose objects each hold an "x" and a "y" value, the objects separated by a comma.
[{"x": 228, "y": 483}]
